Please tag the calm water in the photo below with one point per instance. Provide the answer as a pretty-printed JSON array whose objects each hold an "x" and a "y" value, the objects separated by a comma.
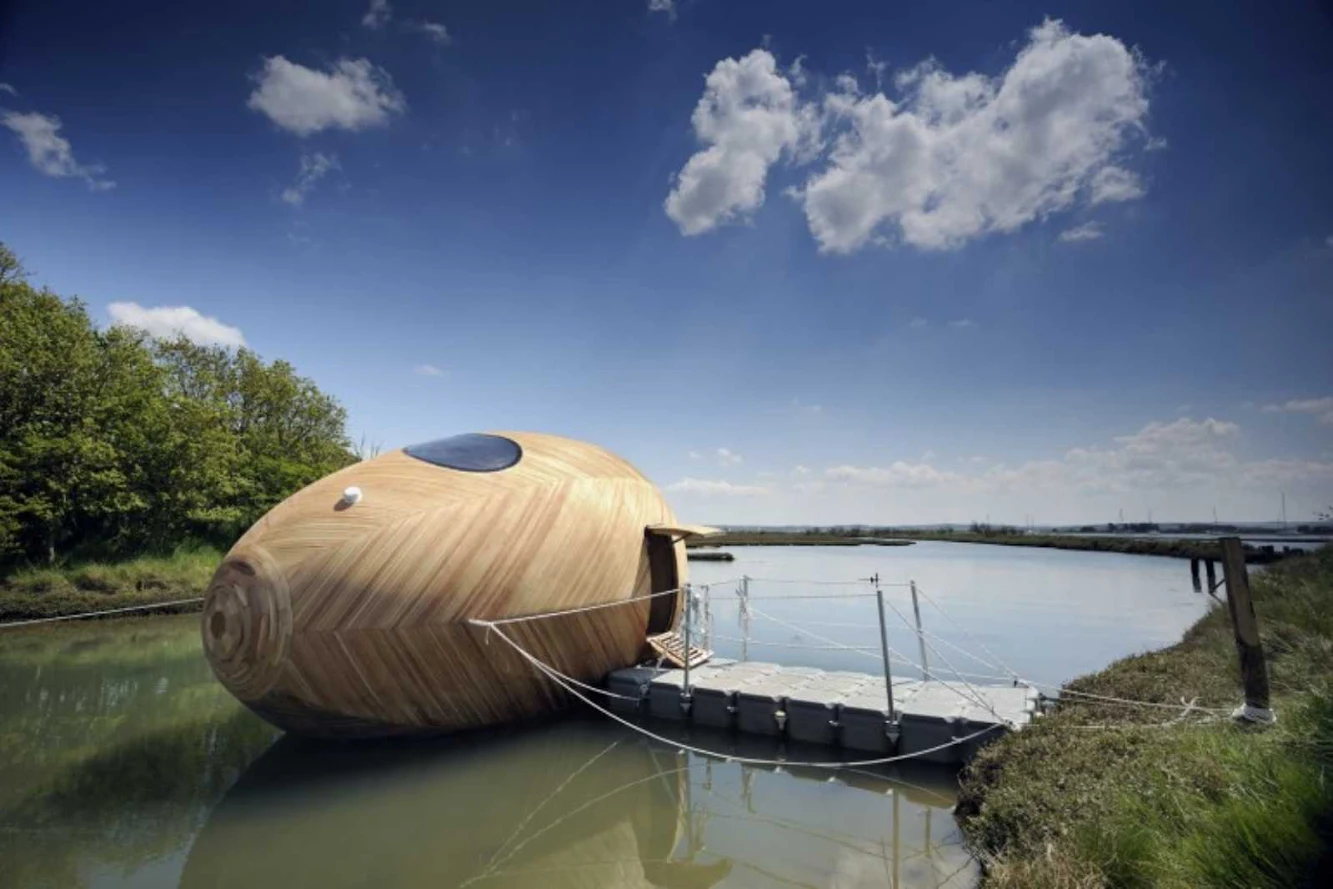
[{"x": 123, "y": 763}]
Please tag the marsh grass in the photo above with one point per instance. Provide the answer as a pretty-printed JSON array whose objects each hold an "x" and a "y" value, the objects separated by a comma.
[
  {"x": 1098, "y": 795},
  {"x": 94, "y": 586}
]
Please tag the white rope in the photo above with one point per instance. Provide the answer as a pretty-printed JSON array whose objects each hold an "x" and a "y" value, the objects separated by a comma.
[
  {"x": 547, "y": 614},
  {"x": 1060, "y": 689},
  {"x": 1110, "y": 699},
  {"x": 819, "y": 582},
  {"x": 537, "y": 663},
  {"x": 86, "y": 614},
  {"x": 974, "y": 698},
  {"x": 999, "y": 664},
  {"x": 824, "y": 598},
  {"x": 532, "y": 813},
  {"x": 807, "y": 647},
  {"x": 490, "y": 626},
  {"x": 570, "y": 814},
  {"x": 978, "y": 697}
]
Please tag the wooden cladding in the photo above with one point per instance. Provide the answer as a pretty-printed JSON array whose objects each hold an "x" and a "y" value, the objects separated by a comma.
[{"x": 351, "y": 620}]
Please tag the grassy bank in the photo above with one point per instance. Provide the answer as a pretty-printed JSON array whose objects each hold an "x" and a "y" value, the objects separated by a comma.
[
  {"x": 1166, "y": 546},
  {"x": 1104, "y": 795},
  {"x": 99, "y": 586}
]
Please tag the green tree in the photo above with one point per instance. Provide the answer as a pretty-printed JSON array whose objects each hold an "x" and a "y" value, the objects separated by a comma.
[{"x": 115, "y": 443}]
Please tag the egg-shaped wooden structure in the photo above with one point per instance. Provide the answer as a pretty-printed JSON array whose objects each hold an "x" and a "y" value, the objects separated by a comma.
[{"x": 344, "y": 611}]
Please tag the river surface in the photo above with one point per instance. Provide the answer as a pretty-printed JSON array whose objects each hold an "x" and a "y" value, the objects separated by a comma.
[{"x": 123, "y": 763}]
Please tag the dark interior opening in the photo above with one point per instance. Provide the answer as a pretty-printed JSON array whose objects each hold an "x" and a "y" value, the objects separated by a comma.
[{"x": 662, "y": 567}]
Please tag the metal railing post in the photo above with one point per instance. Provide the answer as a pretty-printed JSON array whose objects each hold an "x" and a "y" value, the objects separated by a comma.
[
  {"x": 884, "y": 647},
  {"x": 920, "y": 635},
  {"x": 685, "y": 694},
  {"x": 745, "y": 617}
]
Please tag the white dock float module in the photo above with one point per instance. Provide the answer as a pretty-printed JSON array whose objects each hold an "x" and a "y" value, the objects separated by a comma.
[{"x": 834, "y": 708}]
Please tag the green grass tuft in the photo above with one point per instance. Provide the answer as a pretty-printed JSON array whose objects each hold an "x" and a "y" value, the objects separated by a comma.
[
  {"x": 97, "y": 586},
  {"x": 1103, "y": 796}
]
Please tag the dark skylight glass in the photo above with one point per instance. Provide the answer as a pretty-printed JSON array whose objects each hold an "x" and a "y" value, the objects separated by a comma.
[{"x": 471, "y": 452}]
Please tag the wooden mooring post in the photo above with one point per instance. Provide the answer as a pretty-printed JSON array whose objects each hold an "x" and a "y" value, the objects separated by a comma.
[
  {"x": 1194, "y": 574},
  {"x": 1253, "y": 668}
]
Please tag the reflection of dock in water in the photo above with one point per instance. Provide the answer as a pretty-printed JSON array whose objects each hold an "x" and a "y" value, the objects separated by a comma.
[{"x": 594, "y": 808}]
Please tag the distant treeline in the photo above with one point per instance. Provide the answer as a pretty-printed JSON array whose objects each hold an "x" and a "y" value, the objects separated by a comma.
[{"x": 113, "y": 443}]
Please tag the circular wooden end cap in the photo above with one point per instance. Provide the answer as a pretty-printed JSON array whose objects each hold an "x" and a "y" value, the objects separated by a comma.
[{"x": 247, "y": 623}]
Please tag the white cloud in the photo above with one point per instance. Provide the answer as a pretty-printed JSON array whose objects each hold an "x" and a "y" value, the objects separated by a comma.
[
  {"x": 1319, "y": 407},
  {"x": 917, "y": 323},
  {"x": 49, "y": 152},
  {"x": 166, "y": 322},
  {"x": 6, "y": 88},
  {"x": 352, "y": 95},
  {"x": 728, "y": 457},
  {"x": 748, "y": 117},
  {"x": 378, "y": 15},
  {"x": 314, "y": 167},
  {"x": 898, "y": 474},
  {"x": 719, "y": 488},
  {"x": 962, "y": 323},
  {"x": 1162, "y": 456},
  {"x": 667, "y": 6},
  {"x": 434, "y": 31},
  {"x": 963, "y": 156},
  {"x": 695, "y": 455},
  {"x": 427, "y": 370},
  {"x": 1115, "y": 184},
  {"x": 1088, "y": 231}
]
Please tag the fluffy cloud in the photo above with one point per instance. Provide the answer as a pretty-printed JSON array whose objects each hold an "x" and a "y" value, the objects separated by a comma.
[
  {"x": 49, "y": 152},
  {"x": 434, "y": 31},
  {"x": 728, "y": 457},
  {"x": 1318, "y": 407},
  {"x": 166, "y": 322},
  {"x": 352, "y": 95},
  {"x": 1182, "y": 454},
  {"x": 898, "y": 474},
  {"x": 427, "y": 370},
  {"x": 314, "y": 167},
  {"x": 1113, "y": 183},
  {"x": 951, "y": 158},
  {"x": 378, "y": 15},
  {"x": 6, "y": 88},
  {"x": 712, "y": 488},
  {"x": 748, "y": 117},
  {"x": 667, "y": 6},
  {"x": 1088, "y": 231},
  {"x": 962, "y": 156}
]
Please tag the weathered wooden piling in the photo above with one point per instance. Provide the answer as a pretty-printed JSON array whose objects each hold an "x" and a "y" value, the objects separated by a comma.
[
  {"x": 1194, "y": 573},
  {"x": 1253, "y": 667}
]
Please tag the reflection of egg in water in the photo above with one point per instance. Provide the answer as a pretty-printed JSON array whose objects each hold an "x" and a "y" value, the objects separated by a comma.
[{"x": 344, "y": 610}]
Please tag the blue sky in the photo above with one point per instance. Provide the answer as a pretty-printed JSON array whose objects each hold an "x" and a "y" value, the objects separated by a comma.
[{"x": 798, "y": 262}]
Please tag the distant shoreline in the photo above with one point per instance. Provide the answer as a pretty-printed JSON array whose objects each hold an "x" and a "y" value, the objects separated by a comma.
[{"x": 1165, "y": 546}]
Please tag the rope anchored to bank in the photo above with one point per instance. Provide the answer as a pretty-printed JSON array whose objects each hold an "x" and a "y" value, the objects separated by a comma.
[{"x": 90, "y": 614}]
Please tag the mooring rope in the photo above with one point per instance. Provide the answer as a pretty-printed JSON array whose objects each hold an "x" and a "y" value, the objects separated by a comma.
[
  {"x": 974, "y": 698},
  {"x": 88, "y": 614},
  {"x": 980, "y": 699},
  {"x": 747, "y": 760}
]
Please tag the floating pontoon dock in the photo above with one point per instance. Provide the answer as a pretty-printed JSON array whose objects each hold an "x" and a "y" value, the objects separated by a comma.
[{"x": 854, "y": 711}]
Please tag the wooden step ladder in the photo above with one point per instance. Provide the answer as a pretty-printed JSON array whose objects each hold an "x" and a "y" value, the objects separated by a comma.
[{"x": 670, "y": 647}]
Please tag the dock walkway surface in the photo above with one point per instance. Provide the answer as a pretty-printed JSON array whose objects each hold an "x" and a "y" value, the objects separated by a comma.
[{"x": 834, "y": 708}]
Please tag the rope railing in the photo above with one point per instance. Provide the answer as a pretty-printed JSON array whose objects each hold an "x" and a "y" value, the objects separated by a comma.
[
  {"x": 555, "y": 676},
  {"x": 972, "y": 696},
  {"x": 90, "y": 614}
]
